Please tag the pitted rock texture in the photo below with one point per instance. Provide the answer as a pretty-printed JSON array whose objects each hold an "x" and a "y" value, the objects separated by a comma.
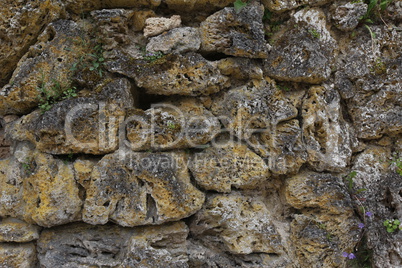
[
  {"x": 84, "y": 245},
  {"x": 179, "y": 40},
  {"x": 17, "y": 255},
  {"x": 283, "y": 5},
  {"x": 15, "y": 230},
  {"x": 237, "y": 34},
  {"x": 346, "y": 16},
  {"x": 140, "y": 188},
  {"x": 155, "y": 26}
]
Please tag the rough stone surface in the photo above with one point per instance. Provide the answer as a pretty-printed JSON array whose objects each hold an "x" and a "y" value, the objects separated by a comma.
[
  {"x": 189, "y": 74},
  {"x": 140, "y": 188},
  {"x": 79, "y": 125},
  {"x": 14, "y": 230},
  {"x": 178, "y": 40},
  {"x": 20, "y": 25},
  {"x": 237, "y": 34},
  {"x": 82, "y": 6},
  {"x": 346, "y": 16},
  {"x": 219, "y": 220},
  {"x": 304, "y": 52},
  {"x": 228, "y": 165},
  {"x": 83, "y": 245},
  {"x": 184, "y": 123},
  {"x": 201, "y": 5},
  {"x": 46, "y": 65},
  {"x": 284, "y": 5},
  {"x": 155, "y": 26},
  {"x": 17, "y": 255},
  {"x": 327, "y": 136},
  {"x": 327, "y": 226}
]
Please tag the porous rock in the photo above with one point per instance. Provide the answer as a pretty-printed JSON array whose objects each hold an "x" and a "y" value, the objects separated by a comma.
[
  {"x": 15, "y": 230},
  {"x": 347, "y": 15},
  {"x": 327, "y": 136},
  {"x": 178, "y": 40},
  {"x": 84, "y": 245},
  {"x": 155, "y": 26},
  {"x": 81, "y": 6},
  {"x": 304, "y": 52},
  {"x": 284, "y": 5},
  {"x": 46, "y": 66},
  {"x": 237, "y": 34},
  {"x": 132, "y": 189},
  {"x": 238, "y": 224},
  {"x": 188, "y": 74},
  {"x": 83, "y": 124},
  {"x": 201, "y": 5},
  {"x": 183, "y": 123},
  {"x": 17, "y": 255},
  {"x": 20, "y": 25},
  {"x": 228, "y": 165}
]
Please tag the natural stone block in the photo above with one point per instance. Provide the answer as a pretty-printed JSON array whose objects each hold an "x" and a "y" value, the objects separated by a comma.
[
  {"x": 155, "y": 26},
  {"x": 17, "y": 255},
  {"x": 14, "y": 230},
  {"x": 178, "y": 40}
]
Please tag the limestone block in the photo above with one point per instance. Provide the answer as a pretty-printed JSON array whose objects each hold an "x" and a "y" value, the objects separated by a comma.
[
  {"x": 237, "y": 224},
  {"x": 132, "y": 189},
  {"x": 20, "y": 25},
  {"x": 47, "y": 66},
  {"x": 327, "y": 135},
  {"x": 227, "y": 166},
  {"x": 188, "y": 74},
  {"x": 155, "y": 26},
  {"x": 178, "y": 40},
  {"x": 79, "y": 125},
  {"x": 81, "y": 6},
  {"x": 17, "y": 255},
  {"x": 252, "y": 108},
  {"x": 197, "y": 5},
  {"x": 347, "y": 15},
  {"x": 183, "y": 123},
  {"x": 304, "y": 52},
  {"x": 237, "y": 34},
  {"x": 15, "y": 230},
  {"x": 284, "y": 5},
  {"x": 84, "y": 245}
]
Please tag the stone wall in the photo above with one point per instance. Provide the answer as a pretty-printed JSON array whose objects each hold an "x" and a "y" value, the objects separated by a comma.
[{"x": 201, "y": 133}]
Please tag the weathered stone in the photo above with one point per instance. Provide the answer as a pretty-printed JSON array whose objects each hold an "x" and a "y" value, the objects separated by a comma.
[
  {"x": 282, "y": 146},
  {"x": 79, "y": 125},
  {"x": 189, "y": 74},
  {"x": 237, "y": 34},
  {"x": 183, "y": 123},
  {"x": 224, "y": 166},
  {"x": 84, "y": 245},
  {"x": 81, "y": 6},
  {"x": 304, "y": 52},
  {"x": 283, "y": 5},
  {"x": 113, "y": 25},
  {"x": 327, "y": 136},
  {"x": 237, "y": 224},
  {"x": 20, "y": 25},
  {"x": 17, "y": 255},
  {"x": 347, "y": 15},
  {"x": 38, "y": 188},
  {"x": 4, "y": 143},
  {"x": 327, "y": 226},
  {"x": 241, "y": 68},
  {"x": 14, "y": 230},
  {"x": 140, "y": 188},
  {"x": 155, "y": 26},
  {"x": 193, "y": 5},
  {"x": 178, "y": 40},
  {"x": 252, "y": 107},
  {"x": 46, "y": 67},
  {"x": 370, "y": 69}
]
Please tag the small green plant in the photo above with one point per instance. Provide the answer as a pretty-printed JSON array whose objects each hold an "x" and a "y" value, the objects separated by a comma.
[
  {"x": 171, "y": 125},
  {"x": 26, "y": 165},
  {"x": 55, "y": 93},
  {"x": 392, "y": 225},
  {"x": 152, "y": 56},
  {"x": 314, "y": 33},
  {"x": 349, "y": 179},
  {"x": 374, "y": 9},
  {"x": 97, "y": 60},
  {"x": 397, "y": 162},
  {"x": 239, "y": 5}
]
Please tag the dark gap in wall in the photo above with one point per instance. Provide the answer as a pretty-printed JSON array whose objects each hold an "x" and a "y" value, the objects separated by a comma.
[
  {"x": 145, "y": 100},
  {"x": 214, "y": 56}
]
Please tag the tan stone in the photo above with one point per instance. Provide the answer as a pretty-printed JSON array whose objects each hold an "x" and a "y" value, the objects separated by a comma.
[
  {"x": 155, "y": 26},
  {"x": 238, "y": 224},
  {"x": 14, "y": 230},
  {"x": 228, "y": 166},
  {"x": 199, "y": 5},
  {"x": 81, "y": 6},
  {"x": 20, "y": 25},
  {"x": 140, "y": 188},
  {"x": 17, "y": 255},
  {"x": 183, "y": 123}
]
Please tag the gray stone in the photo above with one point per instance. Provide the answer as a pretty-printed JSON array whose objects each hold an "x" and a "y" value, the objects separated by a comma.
[
  {"x": 284, "y": 5},
  {"x": 221, "y": 32},
  {"x": 17, "y": 255},
  {"x": 304, "y": 52},
  {"x": 14, "y": 230},
  {"x": 347, "y": 15},
  {"x": 178, "y": 40}
]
